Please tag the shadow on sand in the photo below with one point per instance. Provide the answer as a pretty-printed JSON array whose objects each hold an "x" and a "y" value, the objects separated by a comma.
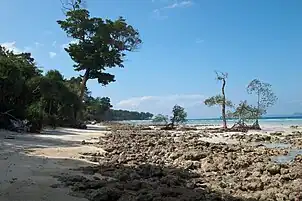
[{"x": 60, "y": 137}]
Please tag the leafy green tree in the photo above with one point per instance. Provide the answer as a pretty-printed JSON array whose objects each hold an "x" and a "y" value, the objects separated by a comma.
[
  {"x": 244, "y": 113},
  {"x": 178, "y": 115},
  {"x": 101, "y": 44},
  {"x": 96, "y": 108},
  {"x": 57, "y": 104},
  {"x": 265, "y": 97},
  {"x": 15, "y": 71},
  {"x": 160, "y": 119}
]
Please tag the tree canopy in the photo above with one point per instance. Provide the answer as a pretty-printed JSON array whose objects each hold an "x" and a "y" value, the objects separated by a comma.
[
  {"x": 178, "y": 115},
  {"x": 265, "y": 97},
  {"x": 217, "y": 100},
  {"x": 101, "y": 43}
]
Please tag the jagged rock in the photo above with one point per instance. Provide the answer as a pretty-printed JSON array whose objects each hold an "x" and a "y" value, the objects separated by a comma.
[
  {"x": 159, "y": 165},
  {"x": 273, "y": 169},
  {"x": 105, "y": 194}
]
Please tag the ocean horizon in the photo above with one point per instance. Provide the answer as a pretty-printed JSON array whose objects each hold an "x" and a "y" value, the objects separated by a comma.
[{"x": 290, "y": 120}]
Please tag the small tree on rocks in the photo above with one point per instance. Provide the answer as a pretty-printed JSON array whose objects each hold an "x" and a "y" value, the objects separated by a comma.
[
  {"x": 179, "y": 115},
  {"x": 160, "y": 118},
  {"x": 265, "y": 98}
]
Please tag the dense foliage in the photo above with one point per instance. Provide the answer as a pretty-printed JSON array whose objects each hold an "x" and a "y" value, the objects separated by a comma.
[
  {"x": 118, "y": 115},
  {"x": 28, "y": 94},
  {"x": 178, "y": 115},
  {"x": 49, "y": 99}
]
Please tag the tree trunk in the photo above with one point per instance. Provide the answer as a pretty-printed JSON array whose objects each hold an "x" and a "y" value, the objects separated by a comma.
[
  {"x": 256, "y": 125},
  {"x": 83, "y": 84},
  {"x": 172, "y": 123},
  {"x": 79, "y": 114},
  {"x": 223, "y": 104},
  {"x": 258, "y": 111}
]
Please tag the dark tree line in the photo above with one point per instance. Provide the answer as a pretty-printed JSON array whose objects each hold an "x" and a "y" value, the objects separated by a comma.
[
  {"x": 118, "y": 115},
  {"x": 25, "y": 93},
  {"x": 51, "y": 99}
]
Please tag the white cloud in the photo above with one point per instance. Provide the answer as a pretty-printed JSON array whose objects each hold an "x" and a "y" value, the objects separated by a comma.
[
  {"x": 180, "y": 4},
  {"x": 198, "y": 40},
  {"x": 52, "y": 54},
  {"x": 12, "y": 47},
  {"x": 158, "y": 13},
  {"x": 193, "y": 103}
]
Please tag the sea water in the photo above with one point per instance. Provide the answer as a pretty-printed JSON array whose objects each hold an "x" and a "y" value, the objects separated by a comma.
[
  {"x": 287, "y": 158},
  {"x": 272, "y": 121}
]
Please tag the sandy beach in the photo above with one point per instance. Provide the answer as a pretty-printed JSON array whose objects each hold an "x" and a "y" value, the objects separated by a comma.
[
  {"x": 96, "y": 164},
  {"x": 29, "y": 162}
]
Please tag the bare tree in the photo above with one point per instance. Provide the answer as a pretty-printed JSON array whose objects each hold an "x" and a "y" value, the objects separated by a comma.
[
  {"x": 265, "y": 97},
  {"x": 222, "y": 77},
  {"x": 69, "y": 5}
]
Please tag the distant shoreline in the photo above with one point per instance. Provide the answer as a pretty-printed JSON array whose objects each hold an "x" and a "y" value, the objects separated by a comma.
[
  {"x": 272, "y": 120},
  {"x": 267, "y": 117}
]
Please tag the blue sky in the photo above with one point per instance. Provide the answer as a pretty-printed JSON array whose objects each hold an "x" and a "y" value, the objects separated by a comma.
[{"x": 184, "y": 42}]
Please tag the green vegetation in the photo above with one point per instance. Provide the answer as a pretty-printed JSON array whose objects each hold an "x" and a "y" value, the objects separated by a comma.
[
  {"x": 119, "y": 115},
  {"x": 28, "y": 94},
  {"x": 265, "y": 98},
  {"x": 179, "y": 115},
  {"x": 160, "y": 118},
  {"x": 101, "y": 43},
  {"x": 51, "y": 99},
  {"x": 220, "y": 99},
  {"x": 244, "y": 113}
]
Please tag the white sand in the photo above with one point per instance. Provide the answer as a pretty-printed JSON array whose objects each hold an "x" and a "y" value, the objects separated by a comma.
[{"x": 28, "y": 163}]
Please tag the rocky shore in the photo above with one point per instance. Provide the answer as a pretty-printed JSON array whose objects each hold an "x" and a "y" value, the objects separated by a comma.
[{"x": 151, "y": 165}]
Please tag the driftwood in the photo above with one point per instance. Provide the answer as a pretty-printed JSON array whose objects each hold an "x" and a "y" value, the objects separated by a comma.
[{"x": 12, "y": 123}]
